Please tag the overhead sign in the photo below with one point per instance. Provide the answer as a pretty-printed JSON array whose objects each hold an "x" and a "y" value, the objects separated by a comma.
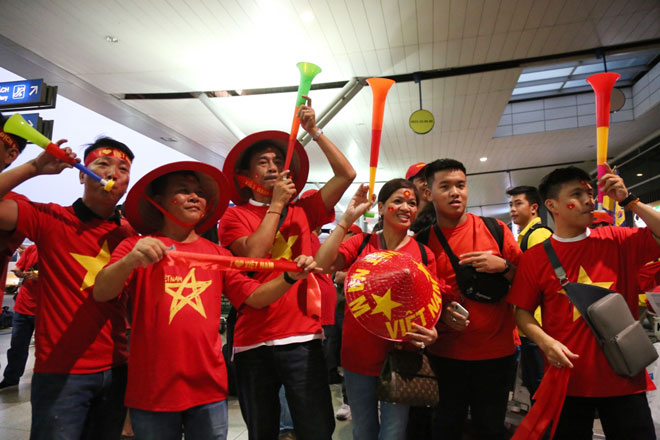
[
  {"x": 32, "y": 93},
  {"x": 421, "y": 121}
]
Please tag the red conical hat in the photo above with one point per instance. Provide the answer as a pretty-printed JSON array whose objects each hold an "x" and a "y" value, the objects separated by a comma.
[{"x": 386, "y": 291}]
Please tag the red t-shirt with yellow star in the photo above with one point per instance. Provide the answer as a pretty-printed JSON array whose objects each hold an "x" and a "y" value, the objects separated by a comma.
[
  {"x": 175, "y": 359},
  {"x": 361, "y": 351},
  {"x": 73, "y": 333},
  {"x": 287, "y": 316},
  {"x": 490, "y": 333},
  {"x": 609, "y": 257}
]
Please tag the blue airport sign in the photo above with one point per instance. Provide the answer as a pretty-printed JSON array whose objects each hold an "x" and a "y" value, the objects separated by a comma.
[
  {"x": 32, "y": 119},
  {"x": 28, "y": 94},
  {"x": 21, "y": 92}
]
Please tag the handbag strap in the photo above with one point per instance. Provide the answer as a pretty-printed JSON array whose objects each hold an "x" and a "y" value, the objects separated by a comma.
[{"x": 445, "y": 245}]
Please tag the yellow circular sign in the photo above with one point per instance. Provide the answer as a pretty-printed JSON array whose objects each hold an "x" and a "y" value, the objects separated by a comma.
[{"x": 421, "y": 121}]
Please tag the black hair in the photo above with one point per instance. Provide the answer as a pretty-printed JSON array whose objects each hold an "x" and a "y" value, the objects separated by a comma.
[
  {"x": 160, "y": 183},
  {"x": 255, "y": 148},
  {"x": 551, "y": 183},
  {"x": 441, "y": 165},
  {"x": 426, "y": 217},
  {"x": 530, "y": 192},
  {"x": 393, "y": 185},
  {"x": 107, "y": 142},
  {"x": 20, "y": 142}
]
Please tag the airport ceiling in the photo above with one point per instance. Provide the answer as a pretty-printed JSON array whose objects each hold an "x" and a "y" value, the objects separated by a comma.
[{"x": 198, "y": 74}]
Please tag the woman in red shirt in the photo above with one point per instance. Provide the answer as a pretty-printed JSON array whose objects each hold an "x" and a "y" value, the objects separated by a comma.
[{"x": 363, "y": 353}]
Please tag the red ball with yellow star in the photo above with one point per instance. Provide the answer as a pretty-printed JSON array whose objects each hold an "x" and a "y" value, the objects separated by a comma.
[{"x": 386, "y": 291}]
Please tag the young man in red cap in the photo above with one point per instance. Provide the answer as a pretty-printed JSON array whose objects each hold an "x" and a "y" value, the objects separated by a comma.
[
  {"x": 80, "y": 370},
  {"x": 177, "y": 379},
  {"x": 10, "y": 147},
  {"x": 281, "y": 344},
  {"x": 608, "y": 257}
]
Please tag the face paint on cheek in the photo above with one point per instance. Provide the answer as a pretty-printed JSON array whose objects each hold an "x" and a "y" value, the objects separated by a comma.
[
  {"x": 256, "y": 176},
  {"x": 390, "y": 209},
  {"x": 570, "y": 205},
  {"x": 175, "y": 201}
]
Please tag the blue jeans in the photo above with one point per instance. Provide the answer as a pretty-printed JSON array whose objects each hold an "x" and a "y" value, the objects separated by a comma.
[
  {"x": 78, "y": 406},
  {"x": 286, "y": 424},
  {"x": 21, "y": 334},
  {"x": 261, "y": 372},
  {"x": 362, "y": 398},
  {"x": 203, "y": 422}
]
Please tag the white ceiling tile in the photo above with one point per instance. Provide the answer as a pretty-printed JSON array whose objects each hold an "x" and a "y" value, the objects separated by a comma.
[
  {"x": 456, "y": 11},
  {"x": 504, "y": 16},
  {"x": 467, "y": 51},
  {"x": 425, "y": 21},
  {"x": 489, "y": 17},
  {"x": 441, "y": 20},
  {"x": 536, "y": 14},
  {"x": 552, "y": 13},
  {"x": 408, "y": 14}
]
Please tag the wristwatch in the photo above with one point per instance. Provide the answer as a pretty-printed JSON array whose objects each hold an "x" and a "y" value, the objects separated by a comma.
[
  {"x": 627, "y": 200},
  {"x": 507, "y": 268}
]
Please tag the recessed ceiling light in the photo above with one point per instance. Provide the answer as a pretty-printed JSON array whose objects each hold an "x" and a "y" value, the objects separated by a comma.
[
  {"x": 483, "y": 159},
  {"x": 640, "y": 174},
  {"x": 307, "y": 16},
  {"x": 111, "y": 39}
]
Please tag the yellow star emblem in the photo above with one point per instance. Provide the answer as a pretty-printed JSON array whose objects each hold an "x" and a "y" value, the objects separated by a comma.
[
  {"x": 282, "y": 248},
  {"x": 384, "y": 304},
  {"x": 584, "y": 278},
  {"x": 193, "y": 300},
  {"x": 92, "y": 265}
]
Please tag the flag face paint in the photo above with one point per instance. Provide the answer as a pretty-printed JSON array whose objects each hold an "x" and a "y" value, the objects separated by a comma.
[
  {"x": 570, "y": 205},
  {"x": 406, "y": 194},
  {"x": 175, "y": 201},
  {"x": 390, "y": 209}
]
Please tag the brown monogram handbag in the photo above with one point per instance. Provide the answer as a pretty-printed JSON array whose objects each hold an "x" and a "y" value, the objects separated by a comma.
[{"x": 407, "y": 378}]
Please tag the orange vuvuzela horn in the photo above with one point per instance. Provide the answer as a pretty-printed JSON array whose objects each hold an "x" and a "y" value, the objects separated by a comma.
[
  {"x": 602, "y": 83},
  {"x": 307, "y": 73},
  {"x": 379, "y": 89}
]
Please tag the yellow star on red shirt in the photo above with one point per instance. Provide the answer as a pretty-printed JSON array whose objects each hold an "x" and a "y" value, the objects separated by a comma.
[
  {"x": 584, "y": 278},
  {"x": 282, "y": 248},
  {"x": 92, "y": 265},
  {"x": 384, "y": 304},
  {"x": 179, "y": 301}
]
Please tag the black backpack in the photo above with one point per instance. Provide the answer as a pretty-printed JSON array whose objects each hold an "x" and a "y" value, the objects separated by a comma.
[
  {"x": 6, "y": 317},
  {"x": 477, "y": 286},
  {"x": 524, "y": 244}
]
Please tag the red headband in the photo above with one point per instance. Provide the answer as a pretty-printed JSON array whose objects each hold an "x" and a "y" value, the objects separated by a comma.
[
  {"x": 8, "y": 140},
  {"x": 106, "y": 152}
]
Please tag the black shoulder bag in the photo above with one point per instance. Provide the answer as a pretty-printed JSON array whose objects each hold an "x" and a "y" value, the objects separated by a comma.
[{"x": 476, "y": 286}]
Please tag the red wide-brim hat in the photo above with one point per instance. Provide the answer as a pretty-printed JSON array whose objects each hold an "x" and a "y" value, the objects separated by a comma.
[
  {"x": 386, "y": 291},
  {"x": 146, "y": 219},
  {"x": 278, "y": 139}
]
